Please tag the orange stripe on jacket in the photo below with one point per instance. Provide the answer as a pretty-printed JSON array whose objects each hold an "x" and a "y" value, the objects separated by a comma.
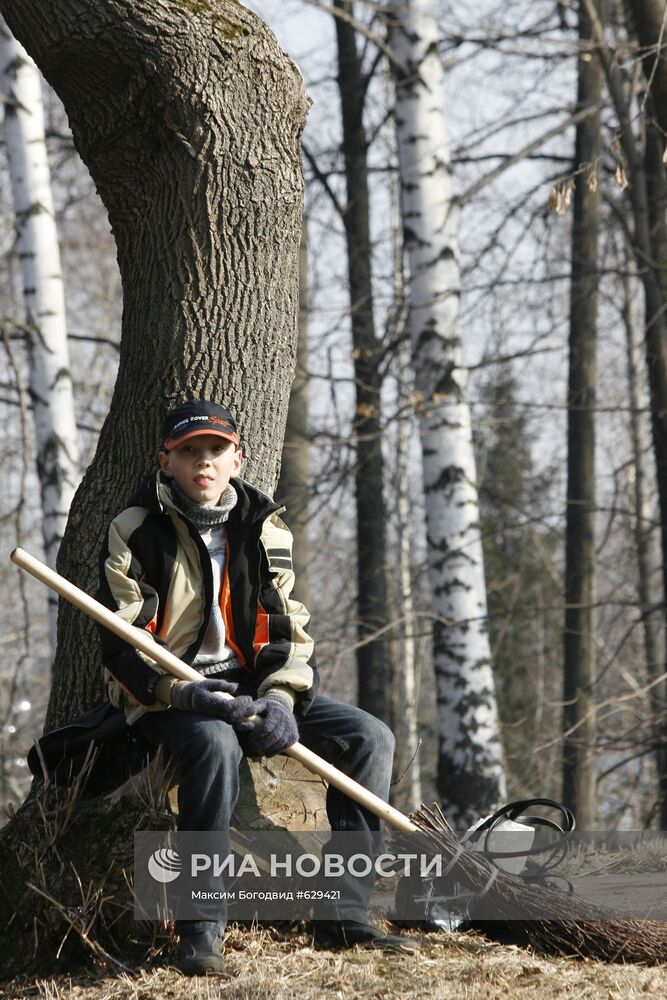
[{"x": 261, "y": 636}]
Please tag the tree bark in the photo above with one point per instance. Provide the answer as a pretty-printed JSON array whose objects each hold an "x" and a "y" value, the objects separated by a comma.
[
  {"x": 49, "y": 377},
  {"x": 656, "y": 192},
  {"x": 646, "y": 196},
  {"x": 407, "y": 785},
  {"x": 579, "y": 779},
  {"x": 470, "y": 762},
  {"x": 406, "y": 676},
  {"x": 294, "y": 482},
  {"x": 651, "y": 30},
  {"x": 188, "y": 116},
  {"x": 372, "y": 653},
  {"x": 648, "y": 563}
]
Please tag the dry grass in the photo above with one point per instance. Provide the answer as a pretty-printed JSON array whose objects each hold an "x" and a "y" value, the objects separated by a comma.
[
  {"x": 272, "y": 966},
  {"x": 649, "y": 855},
  {"x": 260, "y": 963}
]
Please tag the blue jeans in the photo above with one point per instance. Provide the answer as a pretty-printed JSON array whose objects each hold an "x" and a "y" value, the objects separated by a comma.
[{"x": 208, "y": 756}]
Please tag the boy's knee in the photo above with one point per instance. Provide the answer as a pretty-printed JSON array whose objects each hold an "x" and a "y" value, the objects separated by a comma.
[
  {"x": 381, "y": 736},
  {"x": 375, "y": 736},
  {"x": 215, "y": 740}
]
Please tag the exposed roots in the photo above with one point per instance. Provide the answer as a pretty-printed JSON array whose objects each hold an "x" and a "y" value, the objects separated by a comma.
[{"x": 66, "y": 867}]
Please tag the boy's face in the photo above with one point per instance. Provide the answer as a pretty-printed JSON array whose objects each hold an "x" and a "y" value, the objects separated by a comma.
[{"x": 203, "y": 466}]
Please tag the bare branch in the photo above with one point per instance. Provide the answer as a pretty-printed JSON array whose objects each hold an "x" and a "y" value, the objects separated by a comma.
[{"x": 527, "y": 150}]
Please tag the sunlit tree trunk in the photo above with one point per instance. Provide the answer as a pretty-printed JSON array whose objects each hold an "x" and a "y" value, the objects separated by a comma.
[
  {"x": 470, "y": 765},
  {"x": 406, "y": 673}
]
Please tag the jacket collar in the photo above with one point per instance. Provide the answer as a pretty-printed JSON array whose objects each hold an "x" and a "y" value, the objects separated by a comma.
[{"x": 253, "y": 505}]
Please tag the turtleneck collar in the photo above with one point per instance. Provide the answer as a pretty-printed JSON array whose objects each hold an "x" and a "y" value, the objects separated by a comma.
[{"x": 204, "y": 516}]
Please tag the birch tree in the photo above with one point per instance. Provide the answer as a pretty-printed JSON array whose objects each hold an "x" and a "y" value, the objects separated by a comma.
[
  {"x": 50, "y": 381},
  {"x": 406, "y": 676},
  {"x": 470, "y": 760}
]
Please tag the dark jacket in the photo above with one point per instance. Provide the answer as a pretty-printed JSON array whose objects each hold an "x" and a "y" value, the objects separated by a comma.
[{"x": 155, "y": 572}]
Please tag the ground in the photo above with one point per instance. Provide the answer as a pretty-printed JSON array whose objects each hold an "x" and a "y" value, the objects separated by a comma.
[{"x": 285, "y": 966}]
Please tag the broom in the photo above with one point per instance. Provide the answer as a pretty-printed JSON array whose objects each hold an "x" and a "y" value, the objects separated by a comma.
[{"x": 577, "y": 927}]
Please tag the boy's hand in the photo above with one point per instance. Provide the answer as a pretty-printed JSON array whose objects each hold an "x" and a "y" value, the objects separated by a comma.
[
  {"x": 277, "y": 731},
  {"x": 201, "y": 697}
]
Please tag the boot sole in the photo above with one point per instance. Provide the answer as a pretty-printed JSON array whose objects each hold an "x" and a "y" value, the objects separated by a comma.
[
  {"x": 406, "y": 947},
  {"x": 202, "y": 967}
]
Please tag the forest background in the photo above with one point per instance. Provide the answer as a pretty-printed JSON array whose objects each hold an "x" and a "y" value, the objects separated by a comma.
[{"x": 511, "y": 78}]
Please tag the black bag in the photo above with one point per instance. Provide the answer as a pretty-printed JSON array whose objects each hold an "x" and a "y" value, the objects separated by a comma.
[{"x": 120, "y": 751}]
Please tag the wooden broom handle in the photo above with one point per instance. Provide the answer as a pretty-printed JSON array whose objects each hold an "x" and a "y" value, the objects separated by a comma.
[{"x": 141, "y": 640}]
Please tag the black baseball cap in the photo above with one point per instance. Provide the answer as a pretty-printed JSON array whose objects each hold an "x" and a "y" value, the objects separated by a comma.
[{"x": 198, "y": 417}]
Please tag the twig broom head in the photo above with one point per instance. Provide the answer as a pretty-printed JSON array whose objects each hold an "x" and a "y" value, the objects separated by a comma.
[{"x": 575, "y": 926}]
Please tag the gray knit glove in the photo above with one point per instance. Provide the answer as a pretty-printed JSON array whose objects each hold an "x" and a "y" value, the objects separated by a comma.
[
  {"x": 277, "y": 731},
  {"x": 200, "y": 697}
]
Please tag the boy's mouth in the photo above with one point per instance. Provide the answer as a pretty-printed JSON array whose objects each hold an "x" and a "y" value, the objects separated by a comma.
[{"x": 203, "y": 480}]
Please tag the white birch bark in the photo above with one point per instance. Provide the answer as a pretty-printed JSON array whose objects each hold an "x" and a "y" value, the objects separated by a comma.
[
  {"x": 470, "y": 767},
  {"x": 407, "y": 669},
  {"x": 49, "y": 378}
]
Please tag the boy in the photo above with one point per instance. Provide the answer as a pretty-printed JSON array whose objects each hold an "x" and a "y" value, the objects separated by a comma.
[{"x": 201, "y": 559}]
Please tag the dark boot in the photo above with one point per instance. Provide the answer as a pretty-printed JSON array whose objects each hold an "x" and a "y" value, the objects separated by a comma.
[
  {"x": 200, "y": 954},
  {"x": 348, "y": 933}
]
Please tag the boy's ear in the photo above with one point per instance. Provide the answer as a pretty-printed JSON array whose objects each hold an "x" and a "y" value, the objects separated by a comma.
[
  {"x": 164, "y": 462},
  {"x": 238, "y": 461}
]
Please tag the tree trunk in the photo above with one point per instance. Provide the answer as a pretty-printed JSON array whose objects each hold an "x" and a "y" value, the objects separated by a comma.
[
  {"x": 188, "y": 118},
  {"x": 49, "y": 377},
  {"x": 407, "y": 794},
  {"x": 647, "y": 200},
  {"x": 294, "y": 479},
  {"x": 372, "y": 653},
  {"x": 651, "y": 29},
  {"x": 470, "y": 762},
  {"x": 648, "y": 568},
  {"x": 579, "y": 779},
  {"x": 656, "y": 192},
  {"x": 79, "y": 852},
  {"x": 406, "y": 674}
]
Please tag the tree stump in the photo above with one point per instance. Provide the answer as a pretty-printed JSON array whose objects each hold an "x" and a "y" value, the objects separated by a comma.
[
  {"x": 275, "y": 794},
  {"x": 280, "y": 793}
]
